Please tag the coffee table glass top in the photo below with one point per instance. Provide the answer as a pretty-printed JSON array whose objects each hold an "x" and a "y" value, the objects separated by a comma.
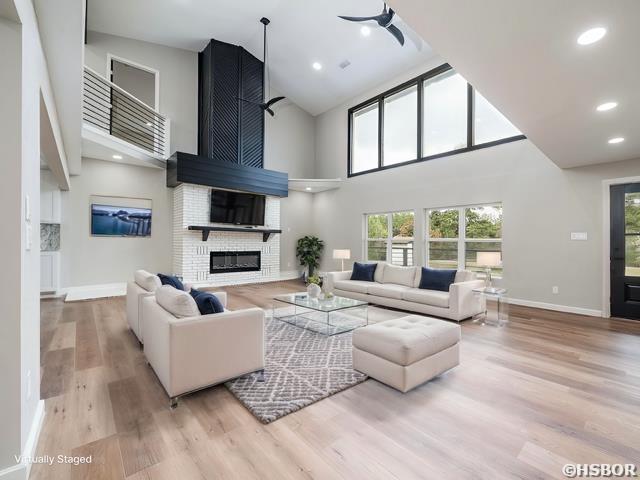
[{"x": 321, "y": 305}]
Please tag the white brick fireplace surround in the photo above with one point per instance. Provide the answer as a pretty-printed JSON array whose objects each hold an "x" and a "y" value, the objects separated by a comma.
[{"x": 191, "y": 204}]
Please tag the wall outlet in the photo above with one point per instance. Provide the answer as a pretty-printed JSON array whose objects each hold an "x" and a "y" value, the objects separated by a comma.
[
  {"x": 29, "y": 385},
  {"x": 554, "y": 290},
  {"x": 579, "y": 236}
]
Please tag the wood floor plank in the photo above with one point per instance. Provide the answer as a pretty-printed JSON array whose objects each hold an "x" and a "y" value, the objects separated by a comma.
[
  {"x": 105, "y": 461},
  {"x": 547, "y": 389},
  {"x": 88, "y": 354}
]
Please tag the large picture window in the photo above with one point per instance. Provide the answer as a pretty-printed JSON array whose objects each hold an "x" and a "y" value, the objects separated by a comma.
[
  {"x": 467, "y": 238},
  {"x": 390, "y": 237},
  {"x": 434, "y": 115}
]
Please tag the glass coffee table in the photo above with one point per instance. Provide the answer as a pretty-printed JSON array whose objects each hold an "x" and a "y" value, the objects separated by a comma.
[{"x": 328, "y": 316}]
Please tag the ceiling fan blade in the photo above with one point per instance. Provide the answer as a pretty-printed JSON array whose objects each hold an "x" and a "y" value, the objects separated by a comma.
[
  {"x": 395, "y": 31},
  {"x": 273, "y": 101},
  {"x": 359, "y": 19},
  {"x": 413, "y": 36},
  {"x": 269, "y": 111}
]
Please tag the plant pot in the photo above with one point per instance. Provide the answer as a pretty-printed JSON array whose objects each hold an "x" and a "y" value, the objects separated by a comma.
[{"x": 313, "y": 290}]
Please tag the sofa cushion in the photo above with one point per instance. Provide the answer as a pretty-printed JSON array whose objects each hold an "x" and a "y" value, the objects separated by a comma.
[
  {"x": 146, "y": 280},
  {"x": 436, "y": 279},
  {"x": 464, "y": 276},
  {"x": 175, "y": 282},
  {"x": 377, "y": 276},
  {"x": 388, "y": 290},
  {"x": 207, "y": 302},
  {"x": 363, "y": 272},
  {"x": 427, "y": 297},
  {"x": 357, "y": 286},
  {"x": 177, "y": 302},
  {"x": 407, "y": 340},
  {"x": 399, "y": 275}
]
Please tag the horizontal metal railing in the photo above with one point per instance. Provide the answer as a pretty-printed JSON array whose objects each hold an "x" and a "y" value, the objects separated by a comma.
[{"x": 116, "y": 112}]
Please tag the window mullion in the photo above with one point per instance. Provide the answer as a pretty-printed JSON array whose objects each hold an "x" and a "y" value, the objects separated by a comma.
[
  {"x": 389, "y": 236},
  {"x": 462, "y": 233},
  {"x": 470, "y": 114},
  {"x": 380, "y": 132}
]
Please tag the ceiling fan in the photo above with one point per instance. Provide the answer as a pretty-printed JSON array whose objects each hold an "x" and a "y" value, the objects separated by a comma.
[
  {"x": 384, "y": 20},
  {"x": 266, "y": 104}
]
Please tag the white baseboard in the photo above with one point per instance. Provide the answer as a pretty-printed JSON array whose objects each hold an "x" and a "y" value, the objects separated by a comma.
[
  {"x": 558, "y": 308},
  {"x": 89, "y": 292},
  {"x": 21, "y": 470}
]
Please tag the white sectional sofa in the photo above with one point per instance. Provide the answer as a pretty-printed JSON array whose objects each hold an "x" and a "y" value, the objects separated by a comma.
[{"x": 397, "y": 287}]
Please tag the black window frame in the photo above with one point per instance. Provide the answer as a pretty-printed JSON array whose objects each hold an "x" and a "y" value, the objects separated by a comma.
[{"x": 419, "y": 82}]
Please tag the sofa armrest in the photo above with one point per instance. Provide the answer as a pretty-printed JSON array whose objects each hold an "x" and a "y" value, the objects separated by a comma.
[
  {"x": 222, "y": 296},
  {"x": 156, "y": 326},
  {"x": 462, "y": 301},
  {"x": 210, "y": 349},
  {"x": 331, "y": 277}
]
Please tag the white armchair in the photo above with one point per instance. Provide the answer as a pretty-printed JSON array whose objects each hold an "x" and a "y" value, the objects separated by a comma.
[{"x": 199, "y": 351}]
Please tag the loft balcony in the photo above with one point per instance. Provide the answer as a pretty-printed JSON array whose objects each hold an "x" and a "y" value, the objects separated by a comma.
[{"x": 116, "y": 126}]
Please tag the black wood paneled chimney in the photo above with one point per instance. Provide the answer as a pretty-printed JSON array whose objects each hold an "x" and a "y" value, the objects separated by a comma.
[{"x": 230, "y": 130}]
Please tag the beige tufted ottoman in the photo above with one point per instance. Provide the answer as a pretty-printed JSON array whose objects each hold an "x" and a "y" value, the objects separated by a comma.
[{"x": 407, "y": 351}]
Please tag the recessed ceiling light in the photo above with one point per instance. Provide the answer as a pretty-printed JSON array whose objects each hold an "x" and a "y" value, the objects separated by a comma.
[
  {"x": 316, "y": 65},
  {"x": 592, "y": 35},
  {"x": 117, "y": 157},
  {"x": 365, "y": 31},
  {"x": 607, "y": 106},
  {"x": 308, "y": 189},
  {"x": 616, "y": 140}
]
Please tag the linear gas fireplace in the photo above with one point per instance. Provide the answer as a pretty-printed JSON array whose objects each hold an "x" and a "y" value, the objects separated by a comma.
[{"x": 225, "y": 262}]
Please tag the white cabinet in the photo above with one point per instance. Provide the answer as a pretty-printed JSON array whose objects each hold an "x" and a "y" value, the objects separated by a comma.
[
  {"x": 49, "y": 198},
  {"x": 49, "y": 271}
]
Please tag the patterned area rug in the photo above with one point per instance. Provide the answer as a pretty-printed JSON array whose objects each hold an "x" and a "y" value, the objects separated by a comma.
[{"x": 302, "y": 367}]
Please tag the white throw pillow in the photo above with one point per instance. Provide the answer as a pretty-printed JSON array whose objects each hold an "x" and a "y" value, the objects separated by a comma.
[
  {"x": 177, "y": 302},
  {"x": 146, "y": 280},
  {"x": 399, "y": 275}
]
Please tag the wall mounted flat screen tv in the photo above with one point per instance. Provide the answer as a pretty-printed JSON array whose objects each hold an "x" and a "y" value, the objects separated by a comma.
[
  {"x": 237, "y": 208},
  {"x": 113, "y": 221}
]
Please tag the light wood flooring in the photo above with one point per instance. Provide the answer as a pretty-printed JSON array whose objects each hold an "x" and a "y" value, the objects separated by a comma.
[{"x": 547, "y": 389}]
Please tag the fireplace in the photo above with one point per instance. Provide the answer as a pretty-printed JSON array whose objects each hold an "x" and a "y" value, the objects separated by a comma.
[{"x": 225, "y": 262}]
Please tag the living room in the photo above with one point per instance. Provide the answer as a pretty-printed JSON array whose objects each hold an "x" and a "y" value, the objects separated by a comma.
[{"x": 330, "y": 240}]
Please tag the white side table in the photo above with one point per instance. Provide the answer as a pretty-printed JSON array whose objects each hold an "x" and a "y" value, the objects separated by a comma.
[{"x": 496, "y": 311}]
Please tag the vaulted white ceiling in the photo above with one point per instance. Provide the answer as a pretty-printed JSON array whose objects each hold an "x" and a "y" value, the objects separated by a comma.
[
  {"x": 301, "y": 33},
  {"x": 524, "y": 58}
]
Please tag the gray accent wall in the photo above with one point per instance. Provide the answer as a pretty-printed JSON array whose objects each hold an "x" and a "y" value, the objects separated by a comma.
[{"x": 542, "y": 205}]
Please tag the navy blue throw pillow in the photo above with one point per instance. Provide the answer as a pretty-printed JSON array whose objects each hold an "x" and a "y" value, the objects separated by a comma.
[
  {"x": 207, "y": 302},
  {"x": 363, "y": 271},
  {"x": 437, "y": 279},
  {"x": 170, "y": 280}
]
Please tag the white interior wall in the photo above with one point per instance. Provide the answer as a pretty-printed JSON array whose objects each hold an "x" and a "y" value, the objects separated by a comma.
[
  {"x": 11, "y": 198},
  {"x": 542, "y": 205},
  {"x": 89, "y": 260},
  {"x": 178, "y": 89},
  {"x": 25, "y": 80},
  {"x": 290, "y": 147}
]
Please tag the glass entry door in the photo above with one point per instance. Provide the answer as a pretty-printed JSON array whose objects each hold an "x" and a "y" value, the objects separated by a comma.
[{"x": 625, "y": 251}]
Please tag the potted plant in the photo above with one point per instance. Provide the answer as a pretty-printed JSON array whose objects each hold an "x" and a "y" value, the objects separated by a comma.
[
  {"x": 313, "y": 287},
  {"x": 308, "y": 251}
]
